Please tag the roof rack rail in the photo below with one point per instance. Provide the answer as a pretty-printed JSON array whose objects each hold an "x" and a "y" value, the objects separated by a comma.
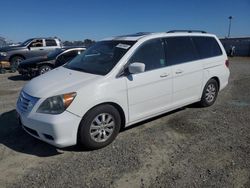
[
  {"x": 143, "y": 33},
  {"x": 187, "y": 31}
]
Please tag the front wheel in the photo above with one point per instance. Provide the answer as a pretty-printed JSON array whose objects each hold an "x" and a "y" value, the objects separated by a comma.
[
  {"x": 14, "y": 62},
  {"x": 43, "y": 69},
  {"x": 210, "y": 93},
  {"x": 99, "y": 127}
]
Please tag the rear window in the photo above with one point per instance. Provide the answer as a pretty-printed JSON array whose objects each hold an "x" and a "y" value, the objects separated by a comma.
[
  {"x": 207, "y": 47},
  {"x": 50, "y": 42},
  {"x": 180, "y": 50}
]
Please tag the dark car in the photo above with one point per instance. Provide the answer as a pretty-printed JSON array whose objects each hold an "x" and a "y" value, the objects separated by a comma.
[
  {"x": 30, "y": 48},
  {"x": 40, "y": 65}
]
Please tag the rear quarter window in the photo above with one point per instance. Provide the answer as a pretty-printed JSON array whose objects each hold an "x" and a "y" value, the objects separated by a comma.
[
  {"x": 50, "y": 42},
  {"x": 207, "y": 47}
]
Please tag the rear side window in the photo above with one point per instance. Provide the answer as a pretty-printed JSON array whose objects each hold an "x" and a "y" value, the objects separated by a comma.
[
  {"x": 180, "y": 50},
  {"x": 67, "y": 56},
  {"x": 151, "y": 53},
  {"x": 207, "y": 47},
  {"x": 70, "y": 54},
  {"x": 50, "y": 42}
]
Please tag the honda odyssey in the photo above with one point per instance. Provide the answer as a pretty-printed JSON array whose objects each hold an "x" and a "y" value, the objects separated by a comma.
[{"x": 120, "y": 81}]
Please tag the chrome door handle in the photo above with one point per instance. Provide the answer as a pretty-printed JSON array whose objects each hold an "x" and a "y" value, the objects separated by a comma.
[
  {"x": 178, "y": 71},
  {"x": 164, "y": 75}
]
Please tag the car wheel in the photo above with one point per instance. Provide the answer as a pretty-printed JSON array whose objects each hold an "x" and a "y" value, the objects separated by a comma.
[
  {"x": 210, "y": 93},
  {"x": 2, "y": 71},
  {"x": 13, "y": 69},
  {"x": 99, "y": 127},
  {"x": 15, "y": 61},
  {"x": 43, "y": 69}
]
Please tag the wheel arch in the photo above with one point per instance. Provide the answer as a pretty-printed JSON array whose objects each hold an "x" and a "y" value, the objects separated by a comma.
[
  {"x": 16, "y": 55},
  {"x": 43, "y": 64},
  {"x": 117, "y": 106},
  {"x": 217, "y": 80}
]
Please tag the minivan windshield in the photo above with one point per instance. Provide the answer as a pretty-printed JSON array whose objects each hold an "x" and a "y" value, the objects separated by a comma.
[{"x": 101, "y": 57}]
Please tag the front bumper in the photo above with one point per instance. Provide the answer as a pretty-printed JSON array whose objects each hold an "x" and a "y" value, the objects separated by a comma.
[
  {"x": 4, "y": 58},
  {"x": 58, "y": 130},
  {"x": 4, "y": 64},
  {"x": 27, "y": 71}
]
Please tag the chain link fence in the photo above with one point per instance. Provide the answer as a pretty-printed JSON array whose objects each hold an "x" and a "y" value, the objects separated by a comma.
[{"x": 241, "y": 46}]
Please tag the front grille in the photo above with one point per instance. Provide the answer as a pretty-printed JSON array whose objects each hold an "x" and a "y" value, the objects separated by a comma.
[{"x": 26, "y": 102}]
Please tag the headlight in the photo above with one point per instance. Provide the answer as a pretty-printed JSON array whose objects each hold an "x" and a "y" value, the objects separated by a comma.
[
  {"x": 3, "y": 54},
  {"x": 56, "y": 104}
]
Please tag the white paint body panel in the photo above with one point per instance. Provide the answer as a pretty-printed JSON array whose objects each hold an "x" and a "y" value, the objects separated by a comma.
[{"x": 140, "y": 96}]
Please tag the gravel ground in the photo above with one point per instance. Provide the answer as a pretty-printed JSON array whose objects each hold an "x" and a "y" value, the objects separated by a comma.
[{"x": 190, "y": 147}]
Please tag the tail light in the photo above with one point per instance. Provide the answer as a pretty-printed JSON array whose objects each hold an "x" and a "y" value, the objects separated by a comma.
[{"x": 227, "y": 63}]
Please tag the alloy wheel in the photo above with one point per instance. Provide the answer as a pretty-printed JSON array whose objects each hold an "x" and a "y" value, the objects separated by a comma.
[{"x": 102, "y": 127}]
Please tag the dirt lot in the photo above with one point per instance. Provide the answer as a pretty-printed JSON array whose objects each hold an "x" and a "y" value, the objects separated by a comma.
[{"x": 191, "y": 147}]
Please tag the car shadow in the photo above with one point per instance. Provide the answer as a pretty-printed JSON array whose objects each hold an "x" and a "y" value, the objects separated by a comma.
[
  {"x": 18, "y": 78},
  {"x": 15, "y": 138},
  {"x": 152, "y": 119},
  {"x": 194, "y": 105}
]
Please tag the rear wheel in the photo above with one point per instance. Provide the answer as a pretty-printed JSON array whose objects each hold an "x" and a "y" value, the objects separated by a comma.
[
  {"x": 43, "y": 69},
  {"x": 210, "y": 93},
  {"x": 99, "y": 127}
]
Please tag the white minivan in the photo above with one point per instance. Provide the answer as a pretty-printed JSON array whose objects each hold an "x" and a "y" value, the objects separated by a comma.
[{"x": 120, "y": 81}]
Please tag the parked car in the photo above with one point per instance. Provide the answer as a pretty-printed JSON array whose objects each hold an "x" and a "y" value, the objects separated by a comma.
[
  {"x": 121, "y": 81},
  {"x": 40, "y": 65},
  {"x": 30, "y": 48}
]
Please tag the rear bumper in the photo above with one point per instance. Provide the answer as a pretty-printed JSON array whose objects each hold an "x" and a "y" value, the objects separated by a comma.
[
  {"x": 224, "y": 79},
  {"x": 58, "y": 130}
]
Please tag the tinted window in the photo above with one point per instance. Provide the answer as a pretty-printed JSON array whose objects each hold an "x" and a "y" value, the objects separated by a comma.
[
  {"x": 67, "y": 56},
  {"x": 37, "y": 43},
  {"x": 207, "y": 46},
  {"x": 180, "y": 50},
  {"x": 50, "y": 42},
  {"x": 55, "y": 53},
  {"x": 151, "y": 54},
  {"x": 26, "y": 42}
]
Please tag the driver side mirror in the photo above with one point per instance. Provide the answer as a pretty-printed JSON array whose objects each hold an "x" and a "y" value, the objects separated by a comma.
[{"x": 136, "y": 67}]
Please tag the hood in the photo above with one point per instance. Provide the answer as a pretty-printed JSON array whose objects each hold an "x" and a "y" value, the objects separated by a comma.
[
  {"x": 11, "y": 48},
  {"x": 34, "y": 60},
  {"x": 58, "y": 81}
]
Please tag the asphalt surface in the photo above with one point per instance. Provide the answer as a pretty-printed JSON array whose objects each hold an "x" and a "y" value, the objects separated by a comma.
[{"x": 190, "y": 147}]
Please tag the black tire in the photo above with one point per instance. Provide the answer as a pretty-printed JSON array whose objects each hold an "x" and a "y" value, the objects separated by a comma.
[
  {"x": 43, "y": 69},
  {"x": 13, "y": 69},
  {"x": 209, "y": 94},
  {"x": 15, "y": 61},
  {"x": 88, "y": 140},
  {"x": 2, "y": 71}
]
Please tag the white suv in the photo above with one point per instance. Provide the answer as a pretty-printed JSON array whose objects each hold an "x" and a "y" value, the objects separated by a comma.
[{"x": 120, "y": 81}]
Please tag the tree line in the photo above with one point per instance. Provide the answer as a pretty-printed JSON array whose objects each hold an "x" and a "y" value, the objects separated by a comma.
[{"x": 86, "y": 42}]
